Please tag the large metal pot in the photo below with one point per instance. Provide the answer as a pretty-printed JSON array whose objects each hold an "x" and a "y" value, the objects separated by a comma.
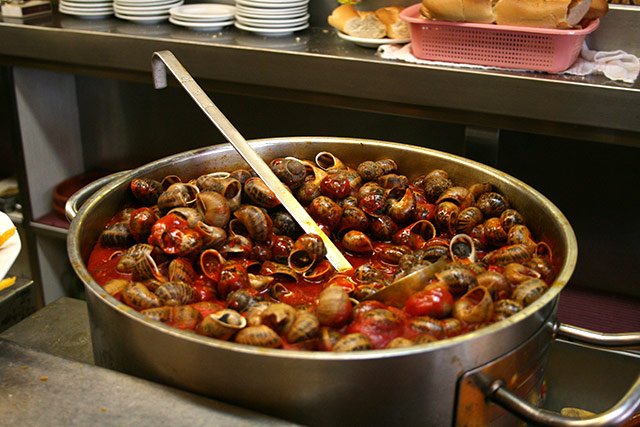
[{"x": 436, "y": 384}]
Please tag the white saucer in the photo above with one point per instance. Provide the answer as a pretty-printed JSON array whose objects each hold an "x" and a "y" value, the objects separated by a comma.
[
  {"x": 88, "y": 2},
  {"x": 80, "y": 5},
  {"x": 270, "y": 32},
  {"x": 258, "y": 4},
  {"x": 145, "y": 3},
  {"x": 204, "y": 11},
  {"x": 284, "y": 15},
  {"x": 85, "y": 14},
  {"x": 201, "y": 26},
  {"x": 92, "y": 10},
  {"x": 11, "y": 248},
  {"x": 367, "y": 42},
  {"x": 272, "y": 23},
  {"x": 153, "y": 19},
  {"x": 143, "y": 11}
]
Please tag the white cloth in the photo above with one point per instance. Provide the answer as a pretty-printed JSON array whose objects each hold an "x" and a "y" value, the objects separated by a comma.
[{"x": 616, "y": 65}]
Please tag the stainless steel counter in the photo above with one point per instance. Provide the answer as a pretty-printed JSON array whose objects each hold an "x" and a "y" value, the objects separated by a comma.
[
  {"x": 47, "y": 376},
  {"x": 316, "y": 66}
]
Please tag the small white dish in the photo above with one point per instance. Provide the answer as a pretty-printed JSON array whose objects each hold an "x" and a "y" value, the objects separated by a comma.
[
  {"x": 153, "y": 19},
  {"x": 146, "y": 3},
  {"x": 288, "y": 15},
  {"x": 272, "y": 23},
  {"x": 258, "y": 4},
  {"x": 85, "y": 14},
  {"x": 11, "y": 248},
  {"x": 86, "y": 10},
  {"x": 142, "y": 11},
  {"x": 270, "y": 32},
  {"x": 78, "y": 5},
  {"x": 201, "y": 26},
  {"x": 372, "y": 43},
  {"x": 204, "y": 11},
  {"x": 87, "y": 2}
]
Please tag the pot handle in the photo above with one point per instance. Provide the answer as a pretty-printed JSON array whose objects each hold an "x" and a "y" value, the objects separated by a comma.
[
  {"x": 76, "y": 200},
  {"x": 497, "y": 392}
]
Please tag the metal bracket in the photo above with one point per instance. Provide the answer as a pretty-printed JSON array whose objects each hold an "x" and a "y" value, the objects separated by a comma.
[{"x": 482, "y": 144}]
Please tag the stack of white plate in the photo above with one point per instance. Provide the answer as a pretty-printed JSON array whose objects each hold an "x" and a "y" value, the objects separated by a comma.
[
  {"x": 144, "y": 11},
  {"x": 203, "y": 16},
  {"x": 88, "y": 9},
  {"x": 272, "y": 17}
]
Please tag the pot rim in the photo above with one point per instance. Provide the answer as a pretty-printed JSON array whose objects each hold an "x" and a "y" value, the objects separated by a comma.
[{"x": 548, "y": 297}]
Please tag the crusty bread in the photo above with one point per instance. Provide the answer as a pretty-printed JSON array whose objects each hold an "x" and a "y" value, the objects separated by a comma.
[
  {"x": 478, "y": 11},
  {"x": 390, "y": 16},
  {"x": 355, "y": 23},
  {"x": 443, "y": 10},
  {"x": 527, "y": 13},
  {"x": 533, "y": 13},
  {"x": 597, "y": 9}
]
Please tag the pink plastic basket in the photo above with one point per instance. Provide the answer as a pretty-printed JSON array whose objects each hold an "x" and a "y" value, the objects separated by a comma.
[{"x": 503, "y": 46}]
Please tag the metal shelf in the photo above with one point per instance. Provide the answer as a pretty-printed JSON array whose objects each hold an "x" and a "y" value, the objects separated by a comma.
[{"x": 315, "y": 66}]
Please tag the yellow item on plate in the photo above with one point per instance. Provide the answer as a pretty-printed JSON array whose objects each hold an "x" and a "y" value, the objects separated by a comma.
[
  {"x": 6, "y": 235},
  {"x": 5, "y": 283}
]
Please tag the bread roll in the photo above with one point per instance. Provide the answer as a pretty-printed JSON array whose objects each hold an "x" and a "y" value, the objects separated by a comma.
[
  {"x": 526, "y": 13},
  {"x": 443, "y": 10},
  {"x": 396, "y": 28},
  {"x": 597, "y": 9},
  {"x": 347, "y": 19},
  {"x": 536, "y": 13}
]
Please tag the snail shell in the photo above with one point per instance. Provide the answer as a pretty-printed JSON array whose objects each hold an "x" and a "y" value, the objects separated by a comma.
[
  {"x": 117, "y": 234},
  {"x": 492, "y": 204},
  {"x": 468, "y": 219},
  {"x": 517, "y": 273},
  {"x": 334, "y": 306},
  {"x": 457, "y": 280},
  {"x": 116, "y": 286},
  {"x": 357, "y": 242},
  {"x": 505, "y": 308},
  {"x": 306, "y": 250},
  {"x": 185, "y": 317},
  {"x": 259, "y": 193},
  {"x": 529, "y": 291},
  {"x": 146, "y": 190},
  {"x": 222, "y": 324},
  {"x": 510, "y": 217},
  {"x": 289, "y": 170},
  {"x": 427, "y": 325},
  {"x": 259, "y": 336},
  {"x": 306, "y": 326},
  {"x": 279, "y": 317},
  {"x": 191, "y": 215},
  {"x": 159, "y": 314},
  {"x": 460, "y": 196},
  {"x": 175, "y": 293},
  {"x": 508, "y": 254},
  {"x": 178, "y": 194},
  {"x": 181, "y": 270},
  {"x": 400, "y": 342},
  {"x": 476, "y": 306},
  {"x": 214, "y": 207},
  {"x": 494, "y": 281},
  {"x": 131, "y": 256},
  {"x": 370, "y": 170},
  {"x": 352, "y": 342},
  {"x": 326, "y": 160},
  {"x": 140, "y": 297},
  {"x": 256, "y": 221}
]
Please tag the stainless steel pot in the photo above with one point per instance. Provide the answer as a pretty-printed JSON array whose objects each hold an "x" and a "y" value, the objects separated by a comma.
[{"x": 440, "y": 383}]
